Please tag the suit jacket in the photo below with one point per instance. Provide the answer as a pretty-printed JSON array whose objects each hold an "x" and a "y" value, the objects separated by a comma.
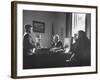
[
  {"x": 82, "y": 50},
  {"x": 28, "y": 44}
]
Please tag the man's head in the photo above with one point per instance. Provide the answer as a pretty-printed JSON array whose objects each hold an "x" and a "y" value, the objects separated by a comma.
[
  {"x": 81, "y": 34},
  {"x": 28, "y": 28}
]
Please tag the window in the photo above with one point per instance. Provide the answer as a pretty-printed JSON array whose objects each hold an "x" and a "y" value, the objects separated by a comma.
[{"x": 78, "y": 22}]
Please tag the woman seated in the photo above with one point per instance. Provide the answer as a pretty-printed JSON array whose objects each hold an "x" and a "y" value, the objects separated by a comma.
[{"x": 57, "y": 44}]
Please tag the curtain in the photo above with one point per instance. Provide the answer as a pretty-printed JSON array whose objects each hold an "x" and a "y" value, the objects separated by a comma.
[
  {"x": 88, "y": 25},
  {"x": 78, "y": 22}
]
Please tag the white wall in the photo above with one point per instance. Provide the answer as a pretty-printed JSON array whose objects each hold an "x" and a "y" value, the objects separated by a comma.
[
  {"x": 60, "y": 24},
  {"x": 47, "y": 18},
  {"x": 58, "y": 20},
  {"x": 5, "y": 41}
]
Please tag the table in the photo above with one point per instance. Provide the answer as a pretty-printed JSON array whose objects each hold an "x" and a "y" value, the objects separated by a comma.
[{"x": 44, "y": 58}]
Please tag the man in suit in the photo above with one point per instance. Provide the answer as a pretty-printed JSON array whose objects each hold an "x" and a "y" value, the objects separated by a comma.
[
  {"x": 28, "y": 46},
  {"x": 81, "y": 48},
  {"x": 28, "y": 42}
]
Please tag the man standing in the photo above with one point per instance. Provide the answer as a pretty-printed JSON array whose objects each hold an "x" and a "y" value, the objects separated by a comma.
[{"x": 28, "y": 46}]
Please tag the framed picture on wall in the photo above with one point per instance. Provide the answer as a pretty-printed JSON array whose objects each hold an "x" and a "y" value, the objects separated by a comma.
[
  {"x": 38, "y": 26},
  {"x": 68, "y": 45}
]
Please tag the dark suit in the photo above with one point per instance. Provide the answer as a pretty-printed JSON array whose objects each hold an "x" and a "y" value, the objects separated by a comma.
[
  {"x": 28, "y": 45},
  {"x": 82, "y": 51}
]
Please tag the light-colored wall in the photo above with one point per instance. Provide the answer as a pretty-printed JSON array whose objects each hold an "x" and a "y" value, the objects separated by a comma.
[
  {"x": 45, "y": 17},
  {"x": 57, "y": 19},
  {"x": 60, "y": 24}
]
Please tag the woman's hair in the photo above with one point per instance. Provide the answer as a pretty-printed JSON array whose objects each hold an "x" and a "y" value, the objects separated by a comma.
[{"x": 56, "y": 36}]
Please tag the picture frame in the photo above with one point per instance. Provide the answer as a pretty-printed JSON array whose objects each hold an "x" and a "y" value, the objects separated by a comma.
[
  {"x": 38, "y": 26},
  {"x": 20, "y": 16}
]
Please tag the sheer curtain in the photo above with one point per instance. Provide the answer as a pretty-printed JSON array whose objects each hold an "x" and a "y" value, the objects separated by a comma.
[{"x": 78, "y": 22}]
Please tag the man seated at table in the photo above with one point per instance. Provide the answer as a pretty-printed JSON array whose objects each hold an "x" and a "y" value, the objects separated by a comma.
[{"x": 57, "y": 44}]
